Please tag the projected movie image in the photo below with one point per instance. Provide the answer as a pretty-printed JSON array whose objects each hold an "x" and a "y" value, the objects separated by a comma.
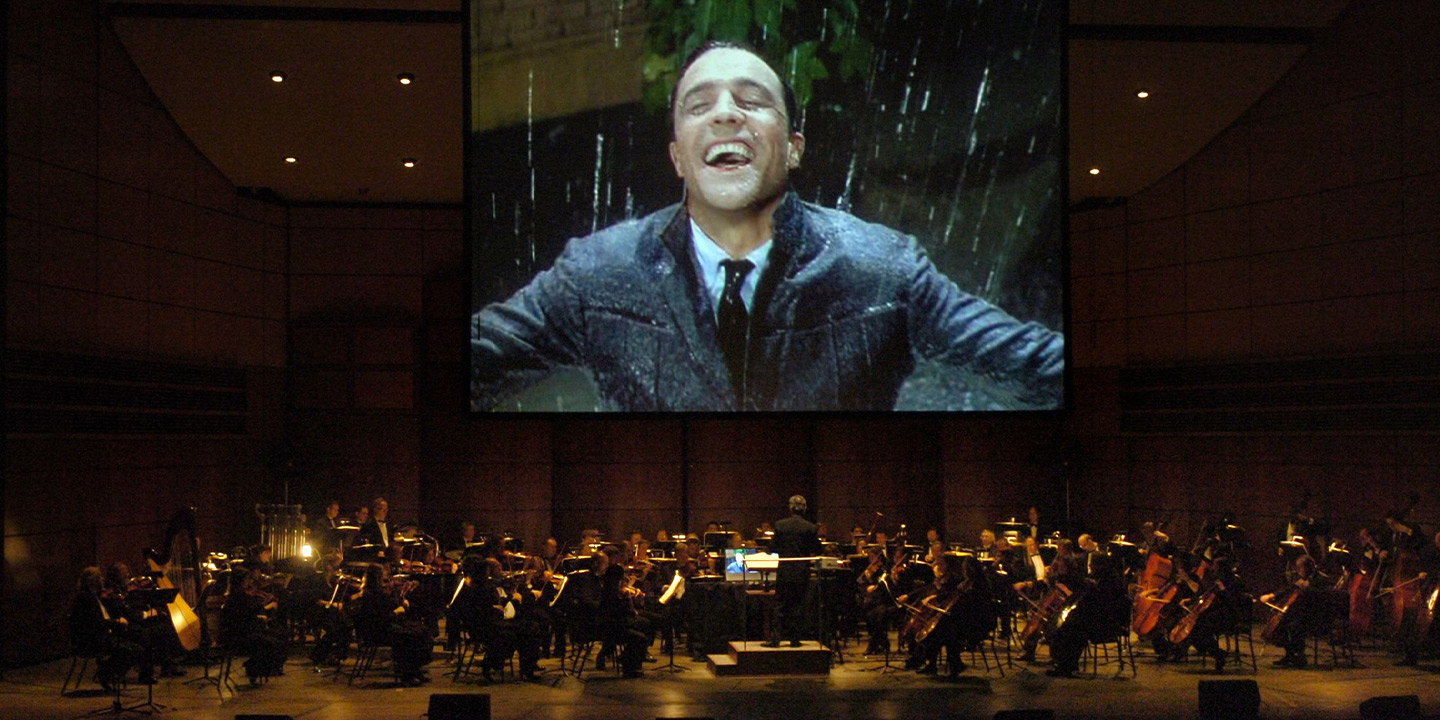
[{"x": 769, "y": 206}]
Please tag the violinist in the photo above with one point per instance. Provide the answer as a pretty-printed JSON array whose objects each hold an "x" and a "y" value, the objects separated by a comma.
[
  {"x": 937, "y": 550},
  {"x": 95, "y": 629},
  {"x": 1301, "y": 614},
  {"x": 620, "y": 627},
  {"x": 550, "y": 554},
  {"x": 514, "y": 621},
  {"x": 1101, "y": 611},
  {"x": 246, "y": 627},
  {"x": 383, "y": 616},
  {"x": 333, "y": 625},
  {"x": 876, "y": 603},
  {"x": 144, "y": 626}
]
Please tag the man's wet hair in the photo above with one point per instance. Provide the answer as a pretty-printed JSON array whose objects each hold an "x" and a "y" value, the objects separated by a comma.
[{"x": 791, "y": 111}]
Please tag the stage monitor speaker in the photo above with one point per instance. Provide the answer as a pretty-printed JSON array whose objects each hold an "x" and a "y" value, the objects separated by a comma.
[
  {"x": 1025, "y": 715},
  {"x": 1391, "y": 707},
  {"x": 459, "y": 706},
  {"x": 1229, "y": 699}
]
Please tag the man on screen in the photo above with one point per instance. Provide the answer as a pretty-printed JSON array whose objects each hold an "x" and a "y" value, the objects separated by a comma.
[{"x": 743, "y": 297}]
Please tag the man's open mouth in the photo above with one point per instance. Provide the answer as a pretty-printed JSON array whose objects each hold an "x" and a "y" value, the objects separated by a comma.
[{"x": 729, "y": 154}]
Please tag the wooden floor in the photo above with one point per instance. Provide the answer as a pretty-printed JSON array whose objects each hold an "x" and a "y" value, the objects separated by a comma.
[{"x": 857, "y": 688}]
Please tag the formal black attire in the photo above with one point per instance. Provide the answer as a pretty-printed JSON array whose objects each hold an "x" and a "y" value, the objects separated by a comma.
[
  {"x": 1101, "y": 613},
  {"x": 375, "y": 533},
  {"x": 95, "y": 630},
  {"x": 377, "y": 622},
  {"x": 245, "y": 630},
  {"x": 794, "y": 537}
]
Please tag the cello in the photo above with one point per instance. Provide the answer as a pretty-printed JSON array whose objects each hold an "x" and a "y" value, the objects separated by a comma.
[
  {"x": 1181, "y": 632},
  {"x": 1157, "y": 589},
  {"x": 1054, "y": 601},
  {"x": 176, "y": 566},
  {"x": 926, "y": 616},
  {"x": 1270, "y": 635}
]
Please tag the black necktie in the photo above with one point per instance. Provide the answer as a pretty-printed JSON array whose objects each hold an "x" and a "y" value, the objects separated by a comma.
[{"x": 734, "y": 321}]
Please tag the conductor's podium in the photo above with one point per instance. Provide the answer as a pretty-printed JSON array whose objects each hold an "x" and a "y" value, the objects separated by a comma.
[{"x": 748, "y": 659}]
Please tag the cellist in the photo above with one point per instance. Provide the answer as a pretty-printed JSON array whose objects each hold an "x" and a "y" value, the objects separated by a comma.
[
  {"x": 1299, "y": 616},
  {"x": 959, "y": 603},
  {"x": 1216, "y": 609}
]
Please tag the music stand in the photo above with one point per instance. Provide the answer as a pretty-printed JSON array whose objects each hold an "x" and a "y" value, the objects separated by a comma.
[
  {"x": 147, "y": 599},
  {"x": 674, "y": 591}
]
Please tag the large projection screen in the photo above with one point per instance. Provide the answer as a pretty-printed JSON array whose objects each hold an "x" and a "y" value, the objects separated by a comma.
[{"x": 915, "y": 258}]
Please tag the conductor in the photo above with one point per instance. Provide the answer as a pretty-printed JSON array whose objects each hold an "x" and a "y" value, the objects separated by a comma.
[{"x": 795, "y": 537}]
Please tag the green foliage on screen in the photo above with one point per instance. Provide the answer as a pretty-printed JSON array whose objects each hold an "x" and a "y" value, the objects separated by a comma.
[{"x": 807, "y": 44}]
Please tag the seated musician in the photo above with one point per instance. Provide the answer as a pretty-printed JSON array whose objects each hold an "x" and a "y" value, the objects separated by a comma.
[
  {"x": 1227, "y": 603},
  {"x": 937, "y": 551},
  {"x": 519, "y": 633},
  {"x": 464, "y": 539},
  {"x": 383, "y": 616},
  {"x": 150, "y": 628},
  {"x": 1030, "y": 572},
  {"x": 96, "y": 630},
  {"x": 986, "y": 548},
  {"x": 550, "y": 554},
  {"x": 960, "y": 595},
  {"x": 620, "y": 626},
  {"x": 1303, "y": 616},
  {"x": 246, "y": 627},
  {"x": 1100, "y": 613},
  {"x": 875, "y": 602},
  {"x": 327, "y": 614}
]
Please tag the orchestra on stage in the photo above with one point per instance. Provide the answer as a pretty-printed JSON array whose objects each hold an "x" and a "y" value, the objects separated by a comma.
[{"x": 490, "y": 605}]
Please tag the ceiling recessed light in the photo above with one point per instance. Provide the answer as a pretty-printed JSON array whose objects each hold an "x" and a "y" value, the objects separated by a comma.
[
  {"x": 408, "y": 162},
  {"x": 1094, "y": 171},
  {"x": 1142, "y": 93},
  {"x": 291, "y": 159},
  {"x": 278, "y": 76},
  {"x": 405, "y": 78}
]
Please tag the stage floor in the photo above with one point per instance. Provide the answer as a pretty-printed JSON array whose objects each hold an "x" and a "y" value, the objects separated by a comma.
[{"x": 852, "y": 690}]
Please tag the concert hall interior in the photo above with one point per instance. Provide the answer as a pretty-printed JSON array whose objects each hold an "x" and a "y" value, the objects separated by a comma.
[{"x": 237, "y": 288}]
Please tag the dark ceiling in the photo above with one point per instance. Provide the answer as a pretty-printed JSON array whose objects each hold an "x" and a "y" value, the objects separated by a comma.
[{"x": 349, "y": 123}]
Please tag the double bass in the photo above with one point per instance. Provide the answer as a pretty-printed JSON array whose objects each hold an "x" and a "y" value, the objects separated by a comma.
[{"x": 1361, "y": 587}]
